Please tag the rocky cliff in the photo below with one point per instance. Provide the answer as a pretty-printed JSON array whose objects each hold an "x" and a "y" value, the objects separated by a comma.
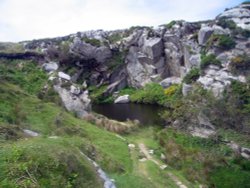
[{"x": 219, "y": 48}]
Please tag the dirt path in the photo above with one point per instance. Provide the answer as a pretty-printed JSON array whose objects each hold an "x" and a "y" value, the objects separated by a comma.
[{"x": 144, "y": 150}]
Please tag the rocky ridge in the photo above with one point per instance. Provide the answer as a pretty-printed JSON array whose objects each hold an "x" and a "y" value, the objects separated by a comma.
[{"x": 141, "y": 55}]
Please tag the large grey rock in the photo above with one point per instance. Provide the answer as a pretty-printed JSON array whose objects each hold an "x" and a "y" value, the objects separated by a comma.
[
  {"x": 30, "y": 133},
  {"x": 138, "y": 72},
  {"x": 133, "y": 38},
  {"x": 245, "y": 152},
  {"x": 122, "y": 99},
  {"x": 75, "y": 90},
  {"x": 170, "y": 81},
  {"x": 79, "y": 104},
  {"x": 204, "y": 33},
  {"x": 87, "y": 51},
  {"x": 186, "y": 89},
  {"x": 64, "y": 76},
  {"x": 174, "y": 57},
  {"x": 153, "y": 47},
  {"x": 102, "y": 54},
  {"x": 50, "y": 67}
]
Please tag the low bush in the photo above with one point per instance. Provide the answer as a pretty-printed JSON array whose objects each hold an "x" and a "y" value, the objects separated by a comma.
[
  {"x": 171, "y": 90},
  {"x": 226, "y": 42},
  {"x": 240, "y": 63},
  {"x": 151, "y": 94},
  {"x": 170, "y": 24},
  {"x": 209, "y": 60},
  {"x": 192, "y": 76},
  {"x": 93, "y": 42}
]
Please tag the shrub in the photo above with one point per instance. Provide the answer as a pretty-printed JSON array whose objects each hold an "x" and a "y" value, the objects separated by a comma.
[
  {"x": 222, "y": 41},
  {"x": 171, "y": 90},
  {"x": 226, "y": 42},
  {"x": 93, "y": 42},
  {"x": 192, "y": 76},
  {"x": 208, "y": 60},
  {"x": 241, "y": 62},
  {"x": 170, "y": 24},
  {"x": 226, "y": 23},
  {"x": 151, "y": 94}
]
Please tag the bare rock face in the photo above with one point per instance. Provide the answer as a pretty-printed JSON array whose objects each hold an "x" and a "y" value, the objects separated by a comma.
[
  {"x": 173, "y": 54},
  {"x": 87, "y": 51},
  {"x": 79, "y": 104},
  {"x": 153, "y": 48},
  {"x": 204, "y": 34},
  {"x": 170, "y": 81}
]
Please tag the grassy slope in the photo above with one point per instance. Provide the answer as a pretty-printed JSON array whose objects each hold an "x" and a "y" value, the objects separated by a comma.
[{"x": 35, "y": 161}]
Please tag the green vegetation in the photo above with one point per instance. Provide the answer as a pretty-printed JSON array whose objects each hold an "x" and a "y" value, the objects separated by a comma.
[
  {"x": 51, "y": 162},
  {"x": 154, "y": 94},
  {"x": 8, "y": 47},
  {"x": 203, "y": 160},
  {"x": 47, "y": 163},
  {"x": 116, "y": 60},
  {"x": 115, "y": 37},
  {"x": 170, "y": 24},
  {"x": 23, "y": 73},
  {"x": 98, "y": 96},
  {"x": 93, "y": 42},
  {"x": 209, "y": 60},
  {"x": 192, "y": 76},
  {"x": 240, "y": 63},
  {"x": 224, "y": 42},
  {"x": 226, "y": 23}
]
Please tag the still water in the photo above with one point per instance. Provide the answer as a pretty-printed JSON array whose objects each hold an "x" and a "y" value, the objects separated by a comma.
[{"x": 146, "y": 114}]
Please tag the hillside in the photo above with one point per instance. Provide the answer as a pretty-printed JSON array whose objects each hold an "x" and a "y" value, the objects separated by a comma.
[{"x": 199, "y": 73}]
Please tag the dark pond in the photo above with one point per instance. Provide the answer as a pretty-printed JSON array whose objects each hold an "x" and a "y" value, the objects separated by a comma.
[{"x": 146, "y": 114}]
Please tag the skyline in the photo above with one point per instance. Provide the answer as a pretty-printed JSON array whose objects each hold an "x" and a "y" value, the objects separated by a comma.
[{"x": 29, "y": 19}]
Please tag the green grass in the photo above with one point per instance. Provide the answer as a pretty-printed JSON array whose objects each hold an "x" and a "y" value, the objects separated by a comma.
[
  {"x": 8, "y": 47},
  {"x": 200, "y": 159},
  {"x": 25, "y": 74},
  {"x": 45, "y": 162}
]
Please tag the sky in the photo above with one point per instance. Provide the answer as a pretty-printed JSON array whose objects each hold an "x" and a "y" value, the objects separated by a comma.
[{"x": 33, "y": 19}]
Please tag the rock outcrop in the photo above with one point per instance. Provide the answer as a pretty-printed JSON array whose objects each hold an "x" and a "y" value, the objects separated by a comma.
[
  {"x": 140, "y": 55},
  {"x": 122, "y": 99}
]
